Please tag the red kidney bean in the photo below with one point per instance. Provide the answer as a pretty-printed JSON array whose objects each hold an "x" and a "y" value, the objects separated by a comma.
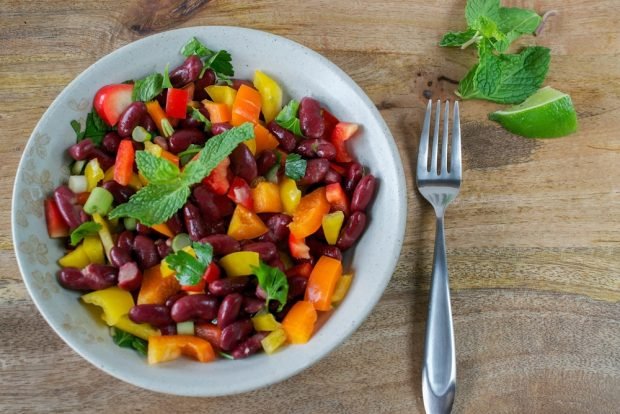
[
  {"x": 194, "y": 307},
  {"x": 217, "y": 227},
  {"x": 353, "y": 175},
  {"x": 236, "y": 83},
  {"x": 285, "y": 137},
  {"x": 213, "y": 206},
  {"x": 277, "y": 262},
  {"x": 125, "y": 241},
  {"x": 278, "y": 224},
  {"x": 110, "y": 142},
  {"x": 316, "y": 148},
  {"x": 105, "y": 161},
  {"x": 146, "y": 252},
  {"x": 175, "y": 224},
  {"x": 156, "y": 315},
  {"x": 265, "y": 161},
  {"x": 250, "y": 346},
  {"x": 265, "y": 250},
  {"x": 144, "y": 230},
  {"x": 99, "y": 276},
  {"x": 220, "y": 127},
  {"x": 70, "y": 211},
  {"x": 234, "y": 333},
  {"x": 163, "y": 247},
  {"x": 161, "y": 98},
  {"x": 229, "y": 309},
  {"x": 129, "y": 276},
  {"x": 119, "y": 257},
  {"x": 208, "y": 79},
  {"x": 72, "y": 278},
  {"x": 188, "y": 71},
  {"x": 172, "y": 299},
  {"x": 183, "y": 138},
  {"x": 226, "y": 286},
  {"x": 191, "y": 123},
  {"x": 311, "y": 118},
  {"x": 83, "y": 150},
  {"x": 252, "y": 305},
  {"x": 296, "y": 286},
  {"x": 147, "y": 123},
  {"x": 162, "y": 142},
  {"x": 318, "y": 249},
  {"x": 363, "y": 193},
  {"x": 243, "y": 164},
  {"x": 316, "y": 170},
  {"x": 130, "y": 118},
  {"x": 195, "y": 225},
  {"x": 222, "y": 244},
  {"x": 352, "y": 230},
  {"x": 121, "y": 193},
  {"x": 273, "y": 307},
  {"x": 332, "y": 177},
  {"x": 168, "y": 330}
]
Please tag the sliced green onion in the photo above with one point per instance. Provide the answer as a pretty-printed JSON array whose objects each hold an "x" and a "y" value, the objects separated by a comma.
[
  {"x": 139, "y": 134},
  {"x": 272, "y": 174},
  {"x": 78, "y": 183},
  {"x": 185, "y": 328},
  {"x": 99, "y": 201},
  {"x": 167, "y": 128},
  {"x": 181, "y": 241},
  {"x": 78, "y": 167},
  {"x": 130, "y": 223}
]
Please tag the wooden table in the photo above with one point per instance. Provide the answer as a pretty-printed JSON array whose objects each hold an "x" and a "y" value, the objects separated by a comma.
[{"x": 534, "y": 236}]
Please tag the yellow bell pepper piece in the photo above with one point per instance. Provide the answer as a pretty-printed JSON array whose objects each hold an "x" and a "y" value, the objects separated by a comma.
[
  {"x": 135, "y": 182},
  {"x": 222, "y": 94},
  {"x": 332, "y": 223},
  {"x": 274, "y": 340},
  {"x": 342, "y": 287},
  {"x": 93, "y": 173},
  {"x": 109, "y": 174},
  {"x": 290, "y": 195},
  {"x": 114, "y": 301},
  {"x": 94, "y": 249},
  {"x": 251, "y": 144},
  {"x": 75, "y": 258},
  {"x": 270, "y": 95},
  {"x": 141, "y": 330},
  {"x": 265, "y": 322},
  {"x": 240, "y": 263},
  {"x": 104, "y": 234},
  {"x": 152, "y": 148}
]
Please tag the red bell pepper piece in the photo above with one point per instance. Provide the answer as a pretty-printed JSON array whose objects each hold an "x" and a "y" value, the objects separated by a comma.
[
  {"x": 212, "y": 273},
  {"x": 338, "y": 168},
  {"x": 240, "y": 193},
  {"x": 298, "y": 247},
  {"x": 302, "y": 269},
  {"x": 198, "y": 287},
  {"x": 341, "y": 133},
  {"x": 123, "y": 167},
  {"x": 56, "y": 225},
  {"x": 217, "y": 180},
  {"x": 176, "y": 103},
  {"x": 337, "y": 198},
  {"x": 330, "y": 122}
]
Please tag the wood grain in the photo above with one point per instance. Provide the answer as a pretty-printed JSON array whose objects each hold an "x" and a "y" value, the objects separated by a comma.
[{"x": 533, "y": 238}]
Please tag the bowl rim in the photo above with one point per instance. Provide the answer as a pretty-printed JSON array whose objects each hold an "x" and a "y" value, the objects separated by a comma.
[{"x": 399, "y": 214}]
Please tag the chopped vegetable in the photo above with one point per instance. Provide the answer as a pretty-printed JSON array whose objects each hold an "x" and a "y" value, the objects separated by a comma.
[
  {"x": 290, "y": 195},
  {"x": 168, "y": 348},
  {"x": 287, "y": 118},
  {"x": 155, "y": 288},
  {"x": 274, "y": 340},
  {"x": 56, "y": 225},
  {"x": 222, "y": 94},
  {"x": 309, "y": 214},
  {"x": 218, "y": 112},
  {"x": 270, "y": 94},
  {"x": 342, "y": 287},
  {"x": 176, "y": 103},
  {"x": 246, "y": 107},
  {"x": 93, "y": 173},
  {"x": 159, "y": 116},
  {"x": 245, "y": 224},
  {"x": 266, "y": 198},
  {"x": 240, "y": 263},
  {"x": 322, "y": 282},
  {"x": 332, "y": 223},
  {"x": 265, "y": 322},
  {"x": 113, "y": 301},
  {"x": 299, "y": 322},
  {"x": 99, "y": 201},
  {"x": 110, "y": 101},
  {"x": 240, "y": 193}
]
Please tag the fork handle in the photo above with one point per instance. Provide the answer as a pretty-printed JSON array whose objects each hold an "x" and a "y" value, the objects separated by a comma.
[{"x": 439, "y": 370}]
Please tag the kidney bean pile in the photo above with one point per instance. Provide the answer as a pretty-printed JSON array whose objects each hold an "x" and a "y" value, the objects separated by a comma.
[{"x": 221, "y": 308}]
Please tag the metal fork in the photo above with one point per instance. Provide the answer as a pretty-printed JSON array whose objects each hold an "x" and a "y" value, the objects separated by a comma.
[{"x": 439, "y": 185}]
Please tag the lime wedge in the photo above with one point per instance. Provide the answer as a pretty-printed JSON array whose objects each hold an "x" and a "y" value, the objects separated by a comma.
[{"x": 548, "y": 113}]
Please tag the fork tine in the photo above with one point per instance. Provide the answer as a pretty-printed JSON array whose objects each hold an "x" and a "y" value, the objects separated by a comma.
[
  {"x": 444, "y": 140},
  {"x": 436, "y": 138},
  {"x": 455, "y": 167},
  {"x": 423, "y": 151}
]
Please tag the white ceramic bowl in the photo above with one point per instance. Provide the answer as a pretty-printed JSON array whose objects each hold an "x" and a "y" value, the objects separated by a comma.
[{"x": 300, "y": 72}]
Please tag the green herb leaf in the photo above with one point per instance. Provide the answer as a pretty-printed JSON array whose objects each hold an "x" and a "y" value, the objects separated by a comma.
[
  {"x": 195, "y": 47},
  {"x": 127, "y": 340},
  {"x": 506, "y": 78},
  {"x": 166, "y": 80},
  {"x": 295, "y": 166},
  {"x": 457, "y": 39},
  {"x": 148, "y": 88},
  {"x": 287, "y": 118},
  {"x": 225, "y": 355},
  {"x": 274, "y": 282},
  {"x": 189, "y": 269},
  {"x": 79, "y": 134},
  {"x": 514, "y": 22},
  {"x": 188, "y": 154},
  {"x": 95, "y": 128},
  {"x": 85, "y": 229},
  {"x": 475, "y": 9},
  {"x": 221, "y": 64},
  {"x": 157, "y": 170},
  {"x": 197, "y": 115}
]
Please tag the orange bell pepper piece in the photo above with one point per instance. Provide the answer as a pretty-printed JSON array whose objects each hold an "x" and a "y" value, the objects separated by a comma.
[
  {"x": 218, "y": 112},
  {"x": 266, "y": 198},
  {"x": 167, "y": 348},
  {"x": 156, "y": 288},
  {"x": 163, "y": 229},
  {"x": 170, "y": 157},
  {"x": 264, "y": 139},
  {"x": 123, "y": 167},
  {"x": 322, "y": 282},
  {"x": 246, "y": 107},
  {"x": 299, "y": 322},
  {"x": 159, "y": 116},
  {"x": 309, "y": 214},
  {"x": 245, "y": 224}
]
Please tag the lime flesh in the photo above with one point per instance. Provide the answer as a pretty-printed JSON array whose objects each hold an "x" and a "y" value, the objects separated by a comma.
[{"x": 548, "y": 113}]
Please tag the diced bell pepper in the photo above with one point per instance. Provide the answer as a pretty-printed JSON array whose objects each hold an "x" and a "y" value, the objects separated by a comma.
[
  {"x": 265, "y": 322},
  {"x": 309, "y": 214},
  {"x": 222, "y": 94},
  {"x": 299, "y": 322},
  {"x": 332, "y": 223},
  {"x": 266, "y": 198},
  {"x": 93, "y": 173},
  {"x": 245, "y": 224},
  {"x": 322, "y": 282},
  {"x": 342, "y": 287},
  {"x": 240, "y": 263},
  {"x": 274, "y": 340},
  {"x": 290, "y": 195},
  {"x": 167, "y": 348},
  {"x": 270, "y": 94}
]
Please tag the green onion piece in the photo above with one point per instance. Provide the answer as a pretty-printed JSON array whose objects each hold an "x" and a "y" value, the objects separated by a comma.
[
  {"x": 77, "y": 183},
  {"x": 78, "y": 167},
  {"x": 99, "y": 201},
  {"x": 130, "y": 223},
  {"x": 185, "y": 328},
  {"x": 272, "y": 174},
  {"x": 167, "y": 128},
  {"x": 139, "y": 134},
  {"x": 180, "y": 241}
]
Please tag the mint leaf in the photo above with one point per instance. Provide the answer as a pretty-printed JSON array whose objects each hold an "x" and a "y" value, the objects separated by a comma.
[
  {"x": 157, "y": 170},
  {"x": 197, "y": 115},
  {"x": 514, "y": 22},
  {"x": 85, "y": 229},
  {"x": 127, "y": 340},
  {"x": 148, "y": 88},
  {"x": 195, "y": 47},
  {"x": 506, "y": 78},
  {"x": 154, "y": 203},
  {"x": 295, "y": 166},
  {"x": 273, "y": 281},
  {"x": 457, "y": 39},
  {"x": 287, "y": 118},
  {"x": 95, "y": 128},
  {"x": 475, "y": 9},
  {"x": 187, "y": 155},
  {"x": 489, "y": 29},
  {"x": 189, "y": 269},
  {"x": 165, "y": 83},
  {"x": 215, "y": 150}
]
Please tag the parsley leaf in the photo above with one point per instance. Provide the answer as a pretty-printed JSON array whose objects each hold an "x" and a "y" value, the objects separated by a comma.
[
  {"x": 221, "y": 64},
  {"x": 79, "y": 134},
  {"x": 273, "y": 281},
  {"x": 95, "y": 128},
  {"x": 197, "y": 115},
  {"x": 85, "y": 229},
  {"x": 189, "y": 269},
  {"x": 127, "y": 340},
  {"x": 287, "y": 118},
  {"x": 148, "y": 88},
  {"x": 157, "y": 170},
  {"x": 295, "y": 166},
  {"x": 195, "y": 47}
]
